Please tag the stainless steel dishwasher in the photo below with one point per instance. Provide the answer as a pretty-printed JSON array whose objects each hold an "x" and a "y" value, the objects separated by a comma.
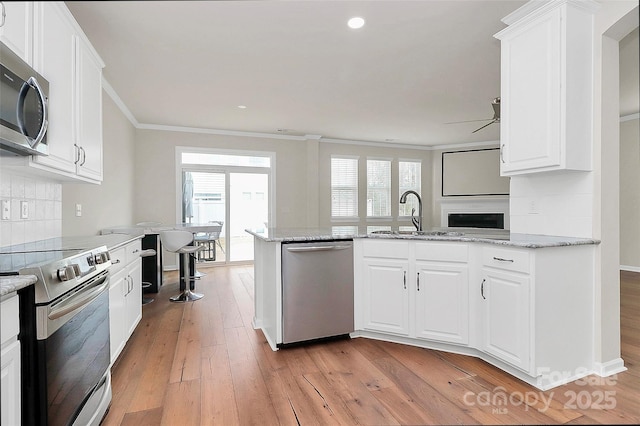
[{"x": 317, "y": 290}]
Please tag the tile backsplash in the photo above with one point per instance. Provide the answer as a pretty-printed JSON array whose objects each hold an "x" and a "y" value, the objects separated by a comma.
[{"x": 41, "y": 200}]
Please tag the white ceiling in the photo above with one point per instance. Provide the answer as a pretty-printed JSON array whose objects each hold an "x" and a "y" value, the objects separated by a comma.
[{"x": 415, "y": 65}]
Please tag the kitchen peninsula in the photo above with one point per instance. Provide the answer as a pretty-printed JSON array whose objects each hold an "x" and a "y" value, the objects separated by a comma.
[{"x": 523, "y": 303}]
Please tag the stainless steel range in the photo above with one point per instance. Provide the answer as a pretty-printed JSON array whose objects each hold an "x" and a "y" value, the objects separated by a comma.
[{"x": 64, "y": 331}]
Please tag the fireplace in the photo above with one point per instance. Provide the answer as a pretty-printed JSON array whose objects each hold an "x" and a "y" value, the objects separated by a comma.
[
  {"x": 485, "y": 213},
  {"x": 476, "y": 220}
]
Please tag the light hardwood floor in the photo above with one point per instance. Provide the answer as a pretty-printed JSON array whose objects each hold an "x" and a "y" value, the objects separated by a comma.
[{"x": 202, "y": 363}]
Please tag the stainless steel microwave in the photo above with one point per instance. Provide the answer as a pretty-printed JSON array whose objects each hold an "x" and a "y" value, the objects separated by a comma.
[{"x": 23, "y": 107}]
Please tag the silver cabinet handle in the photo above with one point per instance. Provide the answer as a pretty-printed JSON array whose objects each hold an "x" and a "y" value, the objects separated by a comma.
[
  {"x": 115, "y": 262},
  {"x": 500, "y": 259},
  {"x": 502, "y": 153},
  {"x": 4, "y": 14},
  {"x": 404, "y": 280},
  {"x": 482, "y": 288},
  {"x": 418, "y": 281},
  {"x": 84, "y": 156},
  {"x": 77, "y": 153}
]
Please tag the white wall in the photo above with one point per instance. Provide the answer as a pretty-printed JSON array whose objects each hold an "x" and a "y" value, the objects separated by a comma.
[
  {"x": 155, "y": 176},
  {"x": 111, "y": 203},
  {"x": 613, "y": 21}
]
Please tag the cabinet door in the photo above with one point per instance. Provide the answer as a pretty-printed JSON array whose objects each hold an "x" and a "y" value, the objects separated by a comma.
[
  {"x": 89, "y": 113},
  {"x": 54, "y": 58},
  {"x": 10, "y": 384},
  {"x": 530, "y": 126},
  {"x": 117, "y": 313},
  {"x": 442, "y": 302},
  {"x": 134, "y": 297},
  {"x": 386, "y": 296},
  {"x": 17, "y": 30},
  {"x": 507, "y": 322}
]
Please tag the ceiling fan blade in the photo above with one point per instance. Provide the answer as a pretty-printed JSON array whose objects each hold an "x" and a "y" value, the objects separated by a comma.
[
  {"x": 469, "y": 121},
  {"x": 494, "y": 121}
]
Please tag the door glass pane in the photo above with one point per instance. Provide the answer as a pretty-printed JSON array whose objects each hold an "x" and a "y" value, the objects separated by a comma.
[
  {"x": 204, "y": 201},
  {"x": 249, "y": 203}
]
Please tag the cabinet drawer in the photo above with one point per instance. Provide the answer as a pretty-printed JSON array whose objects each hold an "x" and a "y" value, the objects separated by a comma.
[
  {"x": 507, "y": 259},
  {"x": 9, "y": 315},
  {"x": 443, "y": 252},
  {"x": 393, "y": 249},
  {"x": 133, "y": 250},
  {"x": 118, "y": 260}
]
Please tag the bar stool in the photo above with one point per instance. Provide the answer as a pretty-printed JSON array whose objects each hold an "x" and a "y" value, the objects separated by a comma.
[{"x": 179, "y": 242}]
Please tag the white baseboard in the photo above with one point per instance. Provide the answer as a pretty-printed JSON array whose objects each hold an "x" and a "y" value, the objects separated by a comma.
[
  {"x": 609, "y": 368},
  {"x": 630, "y": 268}
]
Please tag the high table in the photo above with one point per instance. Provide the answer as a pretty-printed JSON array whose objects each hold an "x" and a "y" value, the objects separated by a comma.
[{"x": 153, "y": 272}]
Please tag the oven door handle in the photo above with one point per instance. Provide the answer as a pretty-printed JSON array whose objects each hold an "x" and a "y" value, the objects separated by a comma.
[{"x": 80, "y": 299}]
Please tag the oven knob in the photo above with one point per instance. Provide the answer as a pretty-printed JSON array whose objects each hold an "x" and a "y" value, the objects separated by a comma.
[
  {"x": 90, "y": 261},
  {"x": 99, "y": 258},
  {"x": 67, "y": 273}
]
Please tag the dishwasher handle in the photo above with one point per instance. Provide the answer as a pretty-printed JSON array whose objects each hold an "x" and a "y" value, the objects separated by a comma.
[{"x": 316, "y": 248}]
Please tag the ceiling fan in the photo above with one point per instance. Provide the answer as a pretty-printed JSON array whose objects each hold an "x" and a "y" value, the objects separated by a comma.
[{"x": 495, "y": 119}]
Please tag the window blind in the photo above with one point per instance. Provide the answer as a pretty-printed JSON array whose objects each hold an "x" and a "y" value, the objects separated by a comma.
[
  {"x": 344, "y": 187},
  {"x": 378, "y": 188}
]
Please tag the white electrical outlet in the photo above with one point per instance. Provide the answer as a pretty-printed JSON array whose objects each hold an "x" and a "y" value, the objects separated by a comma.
[
  {"x": 78, "y": 210},
  {"x": 24, "y": 210},
  {"x": 6, "y": 210}
]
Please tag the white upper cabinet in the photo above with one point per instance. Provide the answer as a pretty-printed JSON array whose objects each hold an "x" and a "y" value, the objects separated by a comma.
[
  {"x": 54, "y": 60},
  {"x": 546, "y": 88},
  {"x": 63, "y": 55},
  {"x": 17, "y": 30},
  {"x": 89, "y": 112}
]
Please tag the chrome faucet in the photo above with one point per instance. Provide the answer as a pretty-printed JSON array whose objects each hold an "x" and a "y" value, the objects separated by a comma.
[{"x": 417, "y": 222}]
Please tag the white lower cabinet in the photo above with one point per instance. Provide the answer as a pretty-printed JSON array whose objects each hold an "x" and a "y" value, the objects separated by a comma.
[
  {"x": 424, "y": 299},
  {"x": 528, "y": 311},
  {"x": 442, "y": 302},
  {"x": 125, "y": 295},
  {"x": 386, "y": 298},
  {"x": 506, "y": 317},
  {"x": 10, "y": 362}
]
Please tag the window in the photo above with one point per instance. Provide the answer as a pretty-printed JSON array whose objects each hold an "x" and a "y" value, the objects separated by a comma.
[
  {"x": 410, "y": 178},
  {"x": 344, "y": 187},
  {"x": 378, "y": 188}
]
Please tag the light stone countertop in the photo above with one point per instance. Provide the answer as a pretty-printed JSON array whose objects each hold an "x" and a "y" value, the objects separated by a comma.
[
  {"x": 12, "y": 283},
  {"x": 490, "y": 236}
]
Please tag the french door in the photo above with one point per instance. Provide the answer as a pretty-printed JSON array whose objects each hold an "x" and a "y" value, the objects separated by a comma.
[{"x": 236, "y": 200}]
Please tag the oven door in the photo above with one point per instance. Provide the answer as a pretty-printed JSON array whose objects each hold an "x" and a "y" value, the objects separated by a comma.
[{"x": 76, "y": 349}]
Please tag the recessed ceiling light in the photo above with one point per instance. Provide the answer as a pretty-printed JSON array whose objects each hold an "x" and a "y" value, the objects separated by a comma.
[
  {"x": 356, "y": 22},
  {"x": 242, "y": 106}
]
